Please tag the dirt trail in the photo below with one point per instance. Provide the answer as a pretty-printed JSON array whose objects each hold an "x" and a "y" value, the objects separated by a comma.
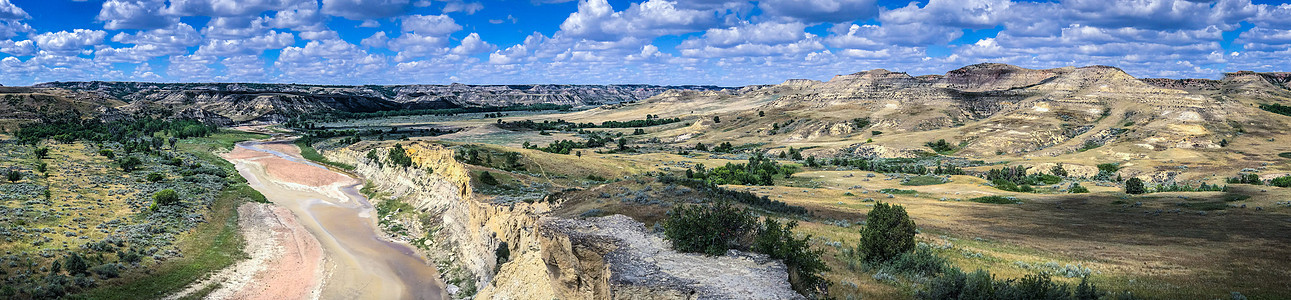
[{"x": 319, "y": 239}]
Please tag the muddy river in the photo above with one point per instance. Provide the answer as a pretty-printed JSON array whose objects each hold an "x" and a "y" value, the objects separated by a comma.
[{"x": 357, "y": 262}]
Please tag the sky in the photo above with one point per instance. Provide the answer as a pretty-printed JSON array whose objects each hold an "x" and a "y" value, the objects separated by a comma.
[{"x": 701, "y": 42}]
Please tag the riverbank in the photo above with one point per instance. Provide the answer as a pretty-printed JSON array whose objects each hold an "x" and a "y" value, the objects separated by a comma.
[{"x": 318, "y": 239}]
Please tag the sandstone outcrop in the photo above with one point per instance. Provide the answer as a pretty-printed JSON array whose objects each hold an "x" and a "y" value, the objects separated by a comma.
[{"x": 601, "y": 258}]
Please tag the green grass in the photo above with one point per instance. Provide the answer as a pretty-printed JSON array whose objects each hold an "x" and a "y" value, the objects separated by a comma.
[
  {"x": 996, "y": 200},
  {"x": 214, "y": 245},
  {"x": 308, "y": 152},
  {"x": 898, "y": 191},
  {"x": 1235, "y": 197},
  {"x": 924, "y": 180}
]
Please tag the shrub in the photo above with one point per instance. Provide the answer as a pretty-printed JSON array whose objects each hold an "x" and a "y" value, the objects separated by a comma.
[
  {"x": 155, "y": 177},
  {"x": 941, "y": 146},
  {"x": 165, "y": 197},
  {"x": 804, "y": 264},
  {"x": 1284, "y": 181},
  {"x": 1135, "y": 186},
  {"x": 1058, "y": 170},
  {"x": 107, "y": 271},
  {"x": 400, "y": 157},
  {"x": 42, "y": 152},
  {"x": 107, "y": 153},
  {"x": 42, "y": 167},
  {"x": 1076, "y": 188},
  {"x": 888, "y": 233},
  {"x": 129, "y": 164},
  {"x": 13, "y": 175},
  {"x": 995, "y": 200},
  {"x": 1109, "y": 167},
  {"x": 487, "y": 178},
  {"x": 924, "y": 180},
  {"x": 75, "y": 264},
  {"x": 503, "y": 253},
  {"x": 921, "y": 262},
  {"x": 708, "y": 229},
  {"x": 1247, "y": 178}
]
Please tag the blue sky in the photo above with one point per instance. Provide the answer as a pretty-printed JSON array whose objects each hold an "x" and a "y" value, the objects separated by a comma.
[{"x": 715, "y": 42}]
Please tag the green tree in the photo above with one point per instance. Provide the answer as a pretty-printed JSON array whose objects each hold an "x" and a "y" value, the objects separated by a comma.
[
  {"x": 155, "y": 177},
  {"x": 42, "y": 152},
  {"x": 761, "y": 114},
  {"x": 717, "y": 119},
  {"x": 1135, "y": 186},
  {"x": 107, "y": 153},
  {"x": 708, "y": 229},
  {"x": 1284, "y": 181},
  {"x": 76, "y": 265},
  {"x": 129, "y": 164},
  {"x": 42, "y": 167},
  {"x": 13, "y": 175},
  {"x": 888, "y": 233},
  {"x": 805, "y": 265},
  {"x": 487, "y": 178},
  {"x": 164, "y": 197}
]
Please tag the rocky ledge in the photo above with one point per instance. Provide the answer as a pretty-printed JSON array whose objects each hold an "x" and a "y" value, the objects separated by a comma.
[{"x": 615, "y": 257}]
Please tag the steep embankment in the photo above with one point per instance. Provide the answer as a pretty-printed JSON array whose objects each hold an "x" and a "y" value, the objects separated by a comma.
[{"x": 543, "y": 257}]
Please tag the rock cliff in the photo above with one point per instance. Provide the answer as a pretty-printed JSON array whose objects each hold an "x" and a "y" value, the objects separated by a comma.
[{"x": 549, "y": 258}]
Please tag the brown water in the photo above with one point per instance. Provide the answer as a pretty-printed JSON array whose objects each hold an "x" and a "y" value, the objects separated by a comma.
[{"x": 359, "y": 263}]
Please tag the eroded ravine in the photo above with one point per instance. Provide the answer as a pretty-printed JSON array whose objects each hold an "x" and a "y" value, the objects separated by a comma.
[{"x": 358, "y": 263}]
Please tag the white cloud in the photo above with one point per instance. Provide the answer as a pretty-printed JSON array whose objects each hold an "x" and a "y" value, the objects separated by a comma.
[
  {"x": 819, "y": 10},
  {"x": 377, "y": 40},
  {"x": 472, "y": 45},
  {"x": 18, "y": 48},
  {"x": 225, "y": 8},
  {"x": 461, "y": 6},
  {"x": 366, "y": 9},
  {"x": 246, "y": 46},
  {"x": 596, "y": 20},
  {"x": 69, "y": 42},
  {"x": 328, "y": 61},
  {"x": 135, "y": 14},
  {"x": 8, "y": 11},
  {"x": 430, "y": 25}
]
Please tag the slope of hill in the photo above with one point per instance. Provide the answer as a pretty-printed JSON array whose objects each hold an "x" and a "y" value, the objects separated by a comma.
[{"x": 240, "y": 102}]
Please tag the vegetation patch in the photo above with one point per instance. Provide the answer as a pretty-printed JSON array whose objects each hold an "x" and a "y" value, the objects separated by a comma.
[
  {"x": 308, "y": 152},
  {"x": 924, "y": 180},
  {"x": 898, "y": 192},
  {"x": 996, "y": 200}
]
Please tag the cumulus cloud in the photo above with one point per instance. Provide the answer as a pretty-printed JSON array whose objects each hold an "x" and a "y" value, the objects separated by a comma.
[
  {"x": 69, "y": 42},
  {"x": 135, "y": 14},
  {"x": 225, "y": 8},
  {"x": 18, "y": 48},
  {"x": 472, "y": 45},
  {"x": 366, "y": 9},
  {"x": 8, "y": 11},
  {"x": 430, "y": 25},
  {"x": 151, "y": 43},
  {"x": 819, "y": 10},
  {"x": 596, "y": 20}
]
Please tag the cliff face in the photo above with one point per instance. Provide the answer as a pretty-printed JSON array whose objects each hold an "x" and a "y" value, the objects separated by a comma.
[{"x": 549, "y": 258}]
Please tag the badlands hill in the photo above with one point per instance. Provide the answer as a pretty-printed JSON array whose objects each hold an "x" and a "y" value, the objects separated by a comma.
[
  {"x": 242, "y": 102},
  {"x": 986, "y": 109}
]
